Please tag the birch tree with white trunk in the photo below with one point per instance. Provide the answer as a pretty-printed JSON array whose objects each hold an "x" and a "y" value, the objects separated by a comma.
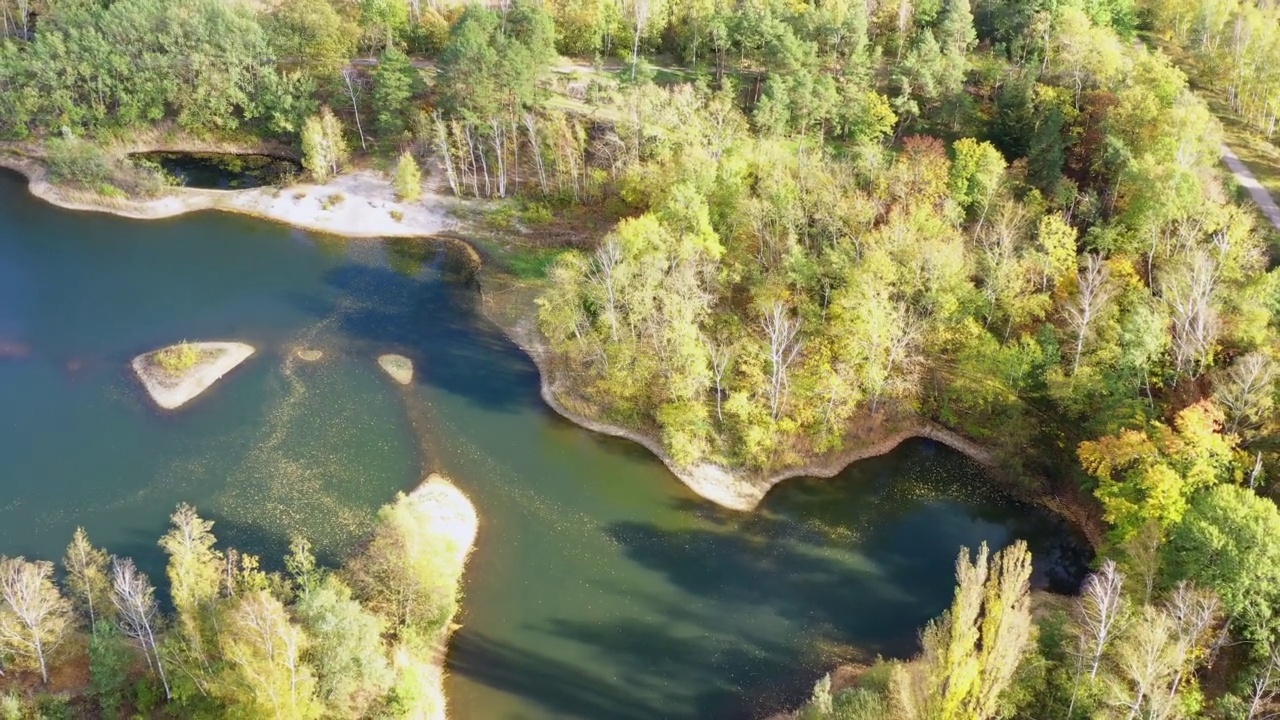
[
  {"x": 1094, "y": 292},
  {"x": 134, "y": 599},
  {"x": 35, "y": 618},
  {"x": 783, "y": 333}
]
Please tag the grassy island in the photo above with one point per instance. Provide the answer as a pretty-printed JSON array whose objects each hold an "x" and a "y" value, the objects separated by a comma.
[{"x": 177, "y": 374}]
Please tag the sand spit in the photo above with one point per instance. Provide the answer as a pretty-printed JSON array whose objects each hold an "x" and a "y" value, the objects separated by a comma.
[{"x": 447, "y": 512}]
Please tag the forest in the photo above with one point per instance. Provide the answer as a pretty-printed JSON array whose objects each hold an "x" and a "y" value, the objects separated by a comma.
[
  {"x": 235, "y": 641},
  {"x": 817, "y": 218}
]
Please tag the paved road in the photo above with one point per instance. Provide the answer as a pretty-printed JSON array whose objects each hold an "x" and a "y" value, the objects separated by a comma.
[{"x": 1246, "y": 179}]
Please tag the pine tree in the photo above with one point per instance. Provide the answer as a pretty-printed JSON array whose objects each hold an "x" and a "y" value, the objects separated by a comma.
[{"x": 394, "y": 83}]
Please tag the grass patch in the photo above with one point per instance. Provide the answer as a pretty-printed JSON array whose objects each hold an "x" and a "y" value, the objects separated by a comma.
[
  {"x": 529, "y": 263},
  {"x": 177, "y": 359},
  {"x": 332, "y": 201}
]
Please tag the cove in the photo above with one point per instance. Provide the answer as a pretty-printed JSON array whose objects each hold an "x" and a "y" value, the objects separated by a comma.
[
  {"x": 222, "y": 171},
  {"x": 600, "y": 587}
]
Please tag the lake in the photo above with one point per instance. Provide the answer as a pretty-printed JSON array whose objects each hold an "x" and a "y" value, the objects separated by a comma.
[{"x": 601, "y": 588}]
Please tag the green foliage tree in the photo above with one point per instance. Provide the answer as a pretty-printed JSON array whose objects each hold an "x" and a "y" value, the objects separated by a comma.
[
  {"x": 324, "y": 148},
  {"x": 1229, "y": 542},
  {"x": 395, "y": 82},
  {"x": 109, "y": 660},
  {"x": 346, "y": 648},
  {"x": 1151, "y": 475},
  {"x": 407, "y": 574},
  {"x": 264, "y": 673},
  {"x": 971, "y": 653},
  {"x": 313, "y": 33},
  {"x": 976, "y": 172},
  {"x": 88, "y": 579},
  {"x": 408, "y": 178}
]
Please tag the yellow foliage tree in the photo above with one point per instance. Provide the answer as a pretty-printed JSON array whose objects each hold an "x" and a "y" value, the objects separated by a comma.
[
  {"x": 1149, "y": 475},
  {"x": 970, "y": 654}
]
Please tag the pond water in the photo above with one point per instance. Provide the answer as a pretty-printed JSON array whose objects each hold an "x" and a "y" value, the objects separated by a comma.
[
  {"x": 223, "y": 171},
  {"x": 601, "y": 588}
]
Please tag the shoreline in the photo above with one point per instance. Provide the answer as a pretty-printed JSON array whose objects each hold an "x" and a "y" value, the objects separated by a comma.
[
  {"x": 453, "y": 516},
  {"x": 717, "y": 484},
  {"x": 713, "y": 483},
  {"x": 354, "y": 204},
  {"x": 744, "y": 492}
]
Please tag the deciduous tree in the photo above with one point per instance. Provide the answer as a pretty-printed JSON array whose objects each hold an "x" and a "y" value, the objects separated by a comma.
[
  {"x": 89, "y": 578},
  {"x": 35, "y": 619}
]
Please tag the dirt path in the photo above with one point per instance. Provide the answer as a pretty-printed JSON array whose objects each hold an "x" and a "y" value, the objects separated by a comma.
[{"x": 1245, "y": 177}]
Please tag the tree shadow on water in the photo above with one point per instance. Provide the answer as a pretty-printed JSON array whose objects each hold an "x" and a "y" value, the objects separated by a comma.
[
  {"x": 633, "y": 670},
  {"x": 861, "y": 589},
  {"x": 433, "y": 318},
  {"x": 561, "y": 688}
]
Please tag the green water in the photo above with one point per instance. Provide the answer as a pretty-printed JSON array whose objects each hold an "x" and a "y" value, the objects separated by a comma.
[{"x": 601, "y": 588}]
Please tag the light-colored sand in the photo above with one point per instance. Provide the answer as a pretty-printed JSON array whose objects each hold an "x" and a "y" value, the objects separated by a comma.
[
  {"x": 368, "y": 200},
  {"x": 171, "y": 391},
  {"x": 399, "y": 367},
  {"x": 309, "y": 355},
  {"x": 445, "y": 511}
]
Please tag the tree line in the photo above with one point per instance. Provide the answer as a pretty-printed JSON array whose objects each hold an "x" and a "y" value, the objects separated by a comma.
[
  {"x": 357, "y": 642},
  {"x": 1130, "y": 645}
]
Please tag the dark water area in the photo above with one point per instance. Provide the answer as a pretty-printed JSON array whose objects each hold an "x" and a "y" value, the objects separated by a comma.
[
  {"x": 601, "y": 587},
  {"x": 223, "y": 171}
]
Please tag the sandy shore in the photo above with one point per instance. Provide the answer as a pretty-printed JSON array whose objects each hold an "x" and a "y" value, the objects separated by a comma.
[
  {"x": 446, "y": 511},
  {"x": 360, "y": 203},
  {"x": 173, "y": 391},
  {"x": 727, "y": 487}
]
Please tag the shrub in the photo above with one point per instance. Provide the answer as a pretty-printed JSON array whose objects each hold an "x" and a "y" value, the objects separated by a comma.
[
  {"x": 12, "y": 707},
  {"x": 537, "y": 214},
  {"x": 397, "y": 216},
  {"x": 75, "y": 162},
  {"x": 108, "y": 190},
  {"x": 332, "y": 201},
  {"x": 408, "y": 178},
  {"x": 177, "y": 358}
]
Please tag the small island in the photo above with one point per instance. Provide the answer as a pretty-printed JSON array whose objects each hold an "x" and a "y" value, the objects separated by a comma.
[
  {"x": 176, "y": 374},
  {"x": 309, "y": 355},
  {"x": 399, "y": 367}
]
